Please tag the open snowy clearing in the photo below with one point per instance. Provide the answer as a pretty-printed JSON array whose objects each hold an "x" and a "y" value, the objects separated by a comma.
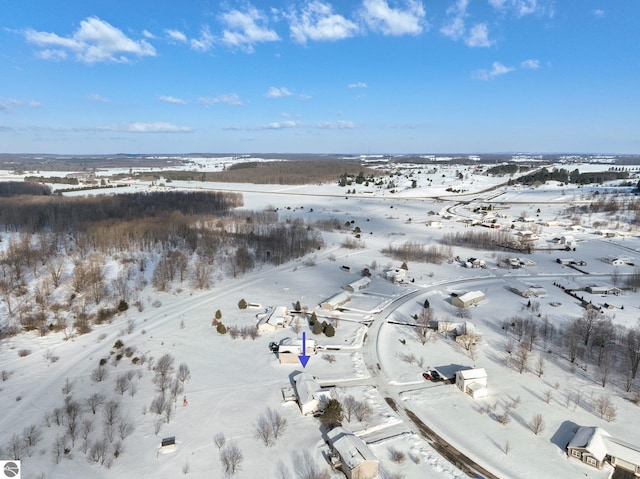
[{"x": 233, "y": 381}]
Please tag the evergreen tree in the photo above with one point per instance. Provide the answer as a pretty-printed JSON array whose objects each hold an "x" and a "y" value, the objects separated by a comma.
[
  {"x": 329, "y": 331},
  {"x": 221, "y": 328},
  {"x": 242, "y": 304},
  {"x": 218, "y": 315},
  {"x": 298, "y": 307},
  {"x": 317, "y": 328},
  {"x": 314, "y": 319},
  {"x": 332, "y": 415}
]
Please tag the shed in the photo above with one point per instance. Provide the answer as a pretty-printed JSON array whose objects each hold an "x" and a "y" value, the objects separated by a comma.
[
  {"x": 526, "y": 290},
  {"x": 473, "y": 382},
  {"x": 467, "y": 299},
  {"x": 355, "y": 458}
]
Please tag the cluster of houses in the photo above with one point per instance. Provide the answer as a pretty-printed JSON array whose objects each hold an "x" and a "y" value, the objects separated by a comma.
[{"x": 349, "y": 453}]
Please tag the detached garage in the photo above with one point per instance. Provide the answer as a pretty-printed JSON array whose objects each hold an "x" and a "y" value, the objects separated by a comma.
[{"x": 467, "y": 299}]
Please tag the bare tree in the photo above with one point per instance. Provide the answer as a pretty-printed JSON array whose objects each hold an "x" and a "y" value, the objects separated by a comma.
[
  {"x": 349, "y": 405},
  {"x": 231, "y": 459},
  {"x": 31, "y": 436},
  {"x": 111, "y": 413},
  {"x": 537, "y": 424},
  {"x": 58, "y": 448},
  {"x": 73, "y": 412},
  {"x": 94, "y": 401},
  {"x": 183, "y": 373},
  {"x": 278, "y": 423},
  {"x": 202, "y": 273},
  {"x": 219, "y": 440},
  {"x": 125, "y": 427},
  {"x": 100, "y": 373},
  {"x": 122, "y": 384},
  {"x": 306, "y": 467},
  {"x": 363, "y": 413},
  {"x": 421, "y": 328},
  {"x": 282, "y": 471},
  {"x": 540, "y": 366},
  {"x": 263, "y": 430},
  {"x": 521, "y": 358},
  {"x": 547, "y": 395}
]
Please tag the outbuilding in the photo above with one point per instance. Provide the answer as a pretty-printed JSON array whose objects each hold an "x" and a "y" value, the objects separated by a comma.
[
  {"x": 467, "y": 299},
  {"x": 274, "y": 319},
  {"x": 335, "y": 301},
  {"x": 473, "y": 382},
  {"x": 358, "y": 285}
]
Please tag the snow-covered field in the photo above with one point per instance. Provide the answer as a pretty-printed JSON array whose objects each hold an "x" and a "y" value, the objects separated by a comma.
[{"x": 234, "y": 381}]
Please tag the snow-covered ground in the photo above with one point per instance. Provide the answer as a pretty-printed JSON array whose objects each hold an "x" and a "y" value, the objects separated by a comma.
[{"x": 234, "y": 381}]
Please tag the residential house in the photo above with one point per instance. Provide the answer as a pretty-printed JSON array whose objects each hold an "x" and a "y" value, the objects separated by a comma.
[
  {"x": 603, "y": 288},
  {"x": 274, "y": 319},
  {"x": 527, "y": 290},
  {"x": 311, "y": 397},
  {"x": 596, "y": 447},
  {"x": 352, "y": 456},
  {"x": 289, "y": 351}
]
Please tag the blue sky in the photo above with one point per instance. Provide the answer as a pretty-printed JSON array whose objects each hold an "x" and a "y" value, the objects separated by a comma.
[{"x": 378, "y": 76}]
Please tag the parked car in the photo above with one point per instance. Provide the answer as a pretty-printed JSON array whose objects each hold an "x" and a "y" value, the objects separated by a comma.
[
  {"x": 427, "y": 376},
  {"x": 273, "y": 347},
  {"x": 435, "y": 376}
]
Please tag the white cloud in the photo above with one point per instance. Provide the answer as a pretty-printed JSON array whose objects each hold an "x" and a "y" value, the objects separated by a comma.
[
  {"x": 156, "y": 127},
  {"x": 318, "y": 22},
  {"x": 176, "y": 35},
  {"x": 497, "y": 70},
  {"x": 205, "y": 42},
  {"x": 522, "y": 7},
  {"x": 280, "y": 125},
  {"x": 278, "y": 92},
  {"x": 455, "y": 27},
  {"x": 357, "y": 85},
  {"x": 599, "y": 12},
  {"x": 245, "y": 29},
  {"x": 98, "y": 98},
  {"x": 336, "y": 125},
  {"x": 530, "y": 64},
  {"x": 173, "y": 100},
  {"x": 94, "y": 41},
  {"x": 478, "y": 36},
  {"x": 148, "y": 34},
  {"x": 380, "y": 17},
  {"x": 229, "y": 99}
]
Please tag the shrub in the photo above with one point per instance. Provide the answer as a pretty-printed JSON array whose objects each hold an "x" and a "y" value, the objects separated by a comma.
[
  {"x": 122, "y": 306},
  {"x": 329, "y": 331},
  {"x": 118, "y": 344},
  {"x": 242, "y": 304},
  {"x": 221, "y": 328},
  {"x": 317, "y": 328},
  {"x": 24, "y": 352},
  {"x": 218, "y": 314}
]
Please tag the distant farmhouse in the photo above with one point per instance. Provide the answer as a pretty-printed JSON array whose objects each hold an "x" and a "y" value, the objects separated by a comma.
[
  {"x": 603, "y": 288},
  {"x": 595, "y": 446},
  {"x": 467, "y": 299},
  {"x": 526, "y": 290},
  {"x": 617, "y": 260},
  {"x": 351, "y": 455},
  {"x": 395, "y": 275}
]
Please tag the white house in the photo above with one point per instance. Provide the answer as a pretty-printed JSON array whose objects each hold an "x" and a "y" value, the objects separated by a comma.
[
  {"x": 274, "y": 319},
  {"x": 289, "y": 351},
  {"x": 396, "y": 275},
  {"x": 467, "y": 299},
  {"x": 527, "y": 290},
  {"x": 311, "y": 397},
  {"x": 473, "y": 382},
  {"x": 358, "y": 285},
  {"x": 617, "y": 260},
  {"x": 337, "y": 300},
  {"x": 596, "y": 447},
  {"x": 355, "y": 459}
]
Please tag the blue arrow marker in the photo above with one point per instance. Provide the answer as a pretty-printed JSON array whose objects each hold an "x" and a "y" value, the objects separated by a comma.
[{"x": 304, "y": 359}]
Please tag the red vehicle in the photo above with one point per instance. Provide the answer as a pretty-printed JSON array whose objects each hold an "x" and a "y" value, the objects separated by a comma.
[{"x": 427, "y": 376}]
